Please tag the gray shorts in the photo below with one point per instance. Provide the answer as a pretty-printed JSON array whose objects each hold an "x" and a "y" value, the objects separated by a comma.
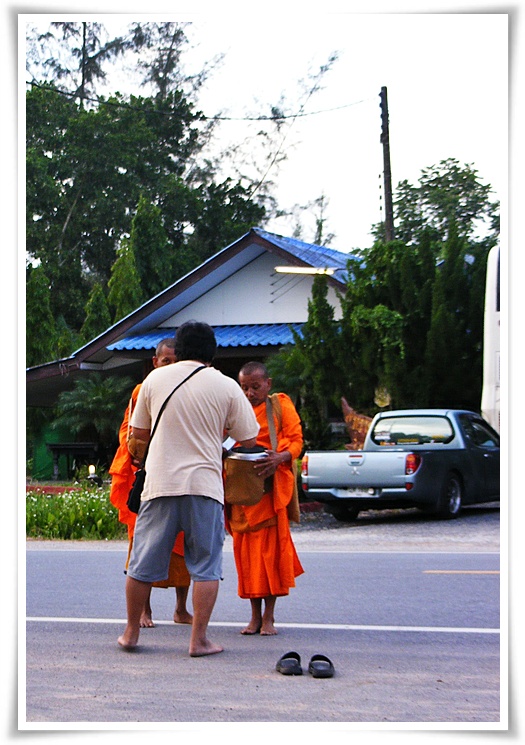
[{"x": 159, "y": 522}]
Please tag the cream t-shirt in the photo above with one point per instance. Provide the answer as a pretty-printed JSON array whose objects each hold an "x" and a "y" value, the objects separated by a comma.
[{"x": 185, "y": 455}]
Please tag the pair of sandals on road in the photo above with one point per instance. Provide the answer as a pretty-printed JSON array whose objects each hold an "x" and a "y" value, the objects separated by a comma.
[{"x": 318, "y": 667}]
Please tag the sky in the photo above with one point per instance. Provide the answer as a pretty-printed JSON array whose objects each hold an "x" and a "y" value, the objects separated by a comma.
[
  {"x": 446, "y": 77},
  {"x": 446, "y": 80}
]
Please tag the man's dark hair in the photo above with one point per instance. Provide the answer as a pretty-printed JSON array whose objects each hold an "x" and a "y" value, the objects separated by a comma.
[{"x": 195, "y": 340}]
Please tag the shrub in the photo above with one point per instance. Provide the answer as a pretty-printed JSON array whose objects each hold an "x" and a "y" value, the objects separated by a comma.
[{"x": 85, "y": 513}]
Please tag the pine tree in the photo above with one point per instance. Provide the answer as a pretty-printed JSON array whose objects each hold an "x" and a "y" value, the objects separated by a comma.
[
  {"x": 125, "y": 293},
  {"x": 67, "y": 340},
  {"x": 452, "y": 360},
  {"x": 98, "y": 318},
  {"x": 318, "y": 350},
  {"x": 150, "y": 248},
  {"x": 90, "y": 51},
  {"x": 40, "y": 325}
]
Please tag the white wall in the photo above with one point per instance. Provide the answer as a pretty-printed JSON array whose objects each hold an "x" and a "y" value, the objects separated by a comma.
[{"x": 255, "y": 294}]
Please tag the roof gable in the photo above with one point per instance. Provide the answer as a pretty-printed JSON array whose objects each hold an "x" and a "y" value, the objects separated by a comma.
[
  {"x": 223, "y": 265},
  {"x": 127, "y": 342},
  {"x": 211, "y": 273}
]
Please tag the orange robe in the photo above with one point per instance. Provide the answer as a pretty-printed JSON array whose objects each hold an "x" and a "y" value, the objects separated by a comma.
[
  {"x": 122, "y": 473},
  {"x": 265, "y": 556}
]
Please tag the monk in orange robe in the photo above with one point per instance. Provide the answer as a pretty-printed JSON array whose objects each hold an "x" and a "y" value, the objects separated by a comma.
[
  {"x": 122, "y": 471},
  {"x": 265, "y": 556}
]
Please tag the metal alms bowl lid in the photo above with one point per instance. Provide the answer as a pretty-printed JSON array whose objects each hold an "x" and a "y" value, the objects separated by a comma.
[{"x": 242, "y": 453}]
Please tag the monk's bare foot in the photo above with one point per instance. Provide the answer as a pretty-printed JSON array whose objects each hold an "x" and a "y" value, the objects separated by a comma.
[
  {"x": 128, "y": 641},
  {"x": 268, "y": 629},
  {"x": 146, "y": 621},
  {"x": 182, "y": 617},
  {"x": 253, "y": 628},
  {"x": 200, "y": 650}
]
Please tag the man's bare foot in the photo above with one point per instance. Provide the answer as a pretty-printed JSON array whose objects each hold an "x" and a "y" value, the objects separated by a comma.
[
  {"x": 253, "y": 628},
  {"x": 182, "y": 617},
  {"x": 128, "y": 641},
  {"x": 146, "y": 621},
  {"x": 200, "y": 650}
]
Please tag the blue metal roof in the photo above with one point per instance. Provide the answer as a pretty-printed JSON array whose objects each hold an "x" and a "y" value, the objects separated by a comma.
[
  {"x": 317, "y": 256},
  {"x": 256, "y": 335}
]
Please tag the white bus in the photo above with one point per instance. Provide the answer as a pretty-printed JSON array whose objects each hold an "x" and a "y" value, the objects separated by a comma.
[{"x": 490, "y": 396}]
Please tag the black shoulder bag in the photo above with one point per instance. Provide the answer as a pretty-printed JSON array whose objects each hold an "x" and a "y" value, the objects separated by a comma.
[{"x": 135, "y": 492}]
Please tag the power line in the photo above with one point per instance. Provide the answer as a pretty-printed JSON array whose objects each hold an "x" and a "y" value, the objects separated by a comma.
[
  {"x": 288, "y": 116},
  {"x": 216, "y": 117}
]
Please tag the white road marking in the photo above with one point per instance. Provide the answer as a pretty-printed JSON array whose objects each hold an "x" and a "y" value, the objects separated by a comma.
[{"x": 318, "y": 626}]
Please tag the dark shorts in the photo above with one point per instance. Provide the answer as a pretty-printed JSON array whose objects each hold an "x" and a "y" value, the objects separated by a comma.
[{"x": 159, "y": 522}]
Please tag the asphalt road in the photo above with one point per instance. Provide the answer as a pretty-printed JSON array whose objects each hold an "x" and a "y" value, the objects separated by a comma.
[{"x": 407, "y": 608}]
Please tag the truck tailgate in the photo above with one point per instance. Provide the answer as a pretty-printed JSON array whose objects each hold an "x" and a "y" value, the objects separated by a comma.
[{"x": 356, "y": 469}]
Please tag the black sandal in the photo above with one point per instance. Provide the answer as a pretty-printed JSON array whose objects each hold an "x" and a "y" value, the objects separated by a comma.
[
  {"x": 321, "y": 667},
  {"x": 289, "y": 664}
]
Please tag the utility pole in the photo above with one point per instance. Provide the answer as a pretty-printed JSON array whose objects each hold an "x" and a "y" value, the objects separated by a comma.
[{"x": 385, "y": 141}]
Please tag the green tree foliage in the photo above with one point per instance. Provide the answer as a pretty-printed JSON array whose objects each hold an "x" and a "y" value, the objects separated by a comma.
[
  {"x": 103, "y": 160},
  {"x": 287, "y": 373},
  {"x": 225, "y": 211},
  {"x": 43, "y": 338},
  {"x": 386, "y": 313},
  {"x": 92, "y": 411},
  {"x": 150, "y": 248},
  {"x": 165, "y": 41},
  {"x": 88, "y": 174},
  {"x": 50, "y": 203},
  {"x": 376, "y": 338},
  {"x": 453, "y": 359},
  {"x": 433, "y": 278},
  {"x": 161, "y": 47},
  {"x": 412, "y": 315},
  {"x": 67, "y": 339},
  {"x": 318, "y": 353},
  {"x": 98, "y": 318},
  {"x": 90, "y": 49},
  {"x": 125, "y": 293},
  {"x": 448, "y": 194},
  {"x": 93, "y": 154},
  {"x": 41, "y": 329}
]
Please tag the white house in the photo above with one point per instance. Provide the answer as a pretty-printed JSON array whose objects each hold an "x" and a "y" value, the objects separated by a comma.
[{"x": 251, "y": 293}]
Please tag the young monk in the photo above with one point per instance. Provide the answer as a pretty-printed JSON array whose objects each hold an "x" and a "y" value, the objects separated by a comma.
[{"x": 265, "y": 556}]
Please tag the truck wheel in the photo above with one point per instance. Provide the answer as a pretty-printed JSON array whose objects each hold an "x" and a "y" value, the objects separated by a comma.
[
  {"x": 451, "y": 499},
  {"x": 342, "y": 513}
]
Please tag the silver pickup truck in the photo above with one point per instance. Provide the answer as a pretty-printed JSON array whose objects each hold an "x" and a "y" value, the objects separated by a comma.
[{"x": 433, "y": 459}]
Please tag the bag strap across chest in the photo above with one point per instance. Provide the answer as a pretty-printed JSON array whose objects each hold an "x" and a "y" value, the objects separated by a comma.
[{"x": 165, "y": 404}]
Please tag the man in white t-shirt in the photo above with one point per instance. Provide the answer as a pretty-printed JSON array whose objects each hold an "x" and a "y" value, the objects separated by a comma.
[{"x": 183, "y": 490}]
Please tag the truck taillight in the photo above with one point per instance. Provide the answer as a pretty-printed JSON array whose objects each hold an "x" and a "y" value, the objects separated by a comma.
[
  {"x": 412, "y": 463},
  {"x": 304, "y": 471},
  {"x": 304, "y": 466}
]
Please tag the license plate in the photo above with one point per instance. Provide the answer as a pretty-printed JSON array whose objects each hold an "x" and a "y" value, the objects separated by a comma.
[{"x": 358, "y": 493}]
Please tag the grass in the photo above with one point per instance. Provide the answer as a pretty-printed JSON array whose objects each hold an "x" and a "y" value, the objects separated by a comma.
[{"x": 83, "y": 513}]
